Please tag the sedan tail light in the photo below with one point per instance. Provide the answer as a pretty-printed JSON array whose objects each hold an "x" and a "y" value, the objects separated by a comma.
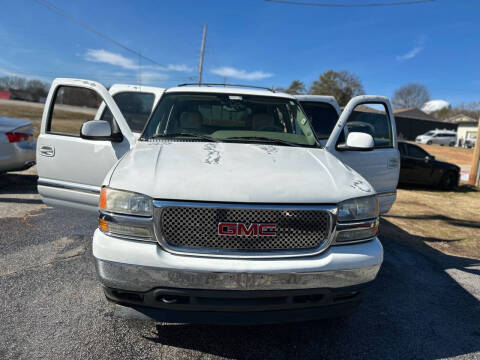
[{"x": 16, "y": 136}]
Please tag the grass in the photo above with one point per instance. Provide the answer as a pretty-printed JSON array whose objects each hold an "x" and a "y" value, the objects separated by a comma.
[
  {"x": 446, "y": 221},
  {"x": 66, "y": 121}
]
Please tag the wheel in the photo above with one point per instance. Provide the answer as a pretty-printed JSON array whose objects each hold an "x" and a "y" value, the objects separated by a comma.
[
  {"x": 429, "y": 142},
  {"x": 452, "y": 143},
  {"x": 449, "y": 181}
]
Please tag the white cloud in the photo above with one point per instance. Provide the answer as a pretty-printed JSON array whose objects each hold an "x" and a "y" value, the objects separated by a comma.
[
  {"x": 435, "y": 105},
  {"x": 108, "y": 57},
  {"x": 411, "y": 54},
  {"x": 8, "y": 72},
  {"x": 178, "y": 67},
  {"x": 152, "y": 77},
  {"x": 240, "y": 74}
]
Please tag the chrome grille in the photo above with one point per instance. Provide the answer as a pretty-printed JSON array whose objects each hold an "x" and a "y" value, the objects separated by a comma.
[{"x": 196, "y": 228}]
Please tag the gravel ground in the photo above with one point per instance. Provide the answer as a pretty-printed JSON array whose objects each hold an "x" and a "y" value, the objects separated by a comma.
[{"x": 53, "y": 307}]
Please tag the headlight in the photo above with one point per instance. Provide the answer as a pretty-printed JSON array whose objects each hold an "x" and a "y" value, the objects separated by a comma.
[
  {"x": 125, "y": 202},
  {"x": 358, "y": 209}
]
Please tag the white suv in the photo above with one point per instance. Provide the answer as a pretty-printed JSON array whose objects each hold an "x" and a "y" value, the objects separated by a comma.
[
  {"x": 226, "y": 208},
  {"x": 440, "y": 137}
]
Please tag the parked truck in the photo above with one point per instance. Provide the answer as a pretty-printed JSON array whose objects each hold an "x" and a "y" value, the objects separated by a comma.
[{"x": 226, "y": 207}]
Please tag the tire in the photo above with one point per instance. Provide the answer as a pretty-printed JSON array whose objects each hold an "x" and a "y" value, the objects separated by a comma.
[
  {"x": 449, "y": 181},
  {"x": 429, "y": 142},
  {"x": 451, "y": 144}
]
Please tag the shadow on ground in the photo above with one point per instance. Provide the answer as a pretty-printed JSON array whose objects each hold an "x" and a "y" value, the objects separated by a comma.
[
  {"x": 18, "y": 183},
  {"x": 413, "y": 310}
]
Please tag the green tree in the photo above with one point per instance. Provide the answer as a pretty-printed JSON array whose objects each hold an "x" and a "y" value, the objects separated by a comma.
[
  {"x": 297, "y": 87},
  {"x": 341, "y": 85}
]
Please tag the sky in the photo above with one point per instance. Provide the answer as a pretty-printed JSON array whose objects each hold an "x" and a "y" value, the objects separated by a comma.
[{"x": 255, "y": 42}]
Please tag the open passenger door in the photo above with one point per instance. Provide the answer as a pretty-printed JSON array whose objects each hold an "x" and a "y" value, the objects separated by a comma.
[
  {"x": 74, "y": 151},
  {"x": 379, "y": 163}
]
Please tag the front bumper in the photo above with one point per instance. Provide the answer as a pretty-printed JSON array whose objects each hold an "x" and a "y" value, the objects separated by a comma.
[{"x": 142, "y": 266}]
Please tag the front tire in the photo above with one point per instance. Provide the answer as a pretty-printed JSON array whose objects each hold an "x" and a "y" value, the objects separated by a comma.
[
  {"x": 429, "y": 142},
  {"x": 451, "y": 144},
  {"x": 449, "y": 181}
]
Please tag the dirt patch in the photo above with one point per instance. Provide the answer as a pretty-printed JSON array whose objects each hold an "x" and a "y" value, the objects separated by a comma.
[
  {"x": 446, "y": 221},
  {"x": 455, "y": 155}
]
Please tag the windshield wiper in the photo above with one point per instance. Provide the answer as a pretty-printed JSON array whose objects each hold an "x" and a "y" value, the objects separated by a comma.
[
  {"x": 263, "y": 139},
  {"x": 198, "y": 136}
]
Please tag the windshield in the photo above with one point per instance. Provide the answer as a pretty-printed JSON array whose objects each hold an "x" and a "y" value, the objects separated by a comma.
[
  {"x": 231, "y": 117},
  {"x": 430, "y": 133}
]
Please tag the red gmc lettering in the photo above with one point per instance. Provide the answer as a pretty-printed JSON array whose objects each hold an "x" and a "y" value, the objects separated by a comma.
[
  {"x": 228, "y": 229},
  {"x": 240, "y": 229}
]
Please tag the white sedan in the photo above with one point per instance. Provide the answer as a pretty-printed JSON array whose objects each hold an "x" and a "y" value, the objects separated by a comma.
[{"x": 17, "y": 145}]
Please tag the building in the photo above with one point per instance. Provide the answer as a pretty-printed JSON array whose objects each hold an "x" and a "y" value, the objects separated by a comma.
[
  {"x": 412, "y": 122},
  {"x": 467, "y": 128},
  {"x": 5, "y": 94}
]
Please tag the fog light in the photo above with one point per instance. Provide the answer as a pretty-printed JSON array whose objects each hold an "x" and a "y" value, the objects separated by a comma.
[{"x": 124, "y": 230}]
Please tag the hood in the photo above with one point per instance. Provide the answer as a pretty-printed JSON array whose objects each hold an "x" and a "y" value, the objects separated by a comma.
[
  {"x": 9, "y": 124},
  {"x": 233, "y": 172}
]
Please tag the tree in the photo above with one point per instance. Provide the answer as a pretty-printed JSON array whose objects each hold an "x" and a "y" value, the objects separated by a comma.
[
  {"x": 38, "y": 89},
  {"x": 297, "y": 87},
  {"x": 410, "y": 95},
  {"x": 341, "y": 85}
]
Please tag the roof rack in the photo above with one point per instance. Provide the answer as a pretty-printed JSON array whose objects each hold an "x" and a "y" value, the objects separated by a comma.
[{"x": 225, "y": 85}]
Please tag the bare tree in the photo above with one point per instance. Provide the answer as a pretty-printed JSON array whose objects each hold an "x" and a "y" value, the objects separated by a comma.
[
  {"x": 297, "y": 87},
  {"x": 411, "y": 95},
  {"x": 341, "y": 85}
]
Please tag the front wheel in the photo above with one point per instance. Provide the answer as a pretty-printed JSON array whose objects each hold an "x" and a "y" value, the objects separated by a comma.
[
  {"x": 452, "y": 143},
  {"x": 449, "y": 181},
  {"x": 429, "y": 142}
]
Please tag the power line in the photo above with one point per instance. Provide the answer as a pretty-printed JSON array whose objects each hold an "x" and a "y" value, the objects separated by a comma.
[
  {"x": 70, "y": 17},
  {"x": 390, "y": 3}
]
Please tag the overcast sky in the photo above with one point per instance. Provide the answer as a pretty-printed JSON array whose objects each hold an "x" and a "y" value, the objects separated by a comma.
[{"x": 249, "y": 41}]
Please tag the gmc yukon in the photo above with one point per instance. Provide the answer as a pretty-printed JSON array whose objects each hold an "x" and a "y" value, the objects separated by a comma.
[{"x": 227, "y": 206}]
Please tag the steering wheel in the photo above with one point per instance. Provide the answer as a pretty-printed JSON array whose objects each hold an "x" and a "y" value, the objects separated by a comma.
[{"x": 271, "y": 128}]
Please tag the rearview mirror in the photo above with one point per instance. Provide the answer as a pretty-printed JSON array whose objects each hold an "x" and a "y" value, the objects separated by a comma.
[
  {"x": 358, "y": 141},
  {"x": 99, "y": 130}
]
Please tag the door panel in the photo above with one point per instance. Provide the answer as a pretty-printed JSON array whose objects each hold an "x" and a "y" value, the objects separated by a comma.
[
  {"x": 381, "y": 166},
  {"x": 71, "y": 169}
]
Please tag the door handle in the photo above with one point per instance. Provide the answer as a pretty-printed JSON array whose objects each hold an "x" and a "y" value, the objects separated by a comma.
[{"x": 47, "y": 150}]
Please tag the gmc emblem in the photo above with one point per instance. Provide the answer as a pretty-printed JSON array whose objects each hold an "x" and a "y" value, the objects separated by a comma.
[{"x": 241, "y": 229}]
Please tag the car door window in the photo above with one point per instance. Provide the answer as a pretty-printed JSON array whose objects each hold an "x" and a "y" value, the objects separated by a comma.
[
  {"x": 372, "y": 119},
  {"x": 323, "y": 117},
  {"x": 135, "y": 107},
  {"x": 71, "y": 108},
  {"x": 416, "y": 152},
  {"x": 402, "y": 149}
]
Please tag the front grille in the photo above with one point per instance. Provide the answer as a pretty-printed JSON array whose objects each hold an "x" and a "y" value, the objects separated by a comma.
[{"x": 197, "y": 228}]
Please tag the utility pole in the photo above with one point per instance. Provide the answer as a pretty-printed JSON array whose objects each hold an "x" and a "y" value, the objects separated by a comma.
[
  {"x": 202, "y": 54},
  {"x": 476, "y": 157},
  {"x": 140, "y": 67}
]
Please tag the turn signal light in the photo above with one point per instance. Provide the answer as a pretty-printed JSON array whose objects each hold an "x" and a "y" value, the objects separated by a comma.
[
  {"x": 103, "y": 199},
  {"x": 103, "y": 225}
]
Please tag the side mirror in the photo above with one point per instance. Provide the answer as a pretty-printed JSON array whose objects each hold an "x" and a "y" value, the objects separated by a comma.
[
  {"x": 98, "y": 130},
  {"x": 429, "y": 158},
  {"x": 357, "y": 141}
]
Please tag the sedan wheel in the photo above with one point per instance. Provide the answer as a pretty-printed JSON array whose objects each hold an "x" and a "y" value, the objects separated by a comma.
[
  {"x": 449, "y": 181},
  {"x": 429, "y": 142}
]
